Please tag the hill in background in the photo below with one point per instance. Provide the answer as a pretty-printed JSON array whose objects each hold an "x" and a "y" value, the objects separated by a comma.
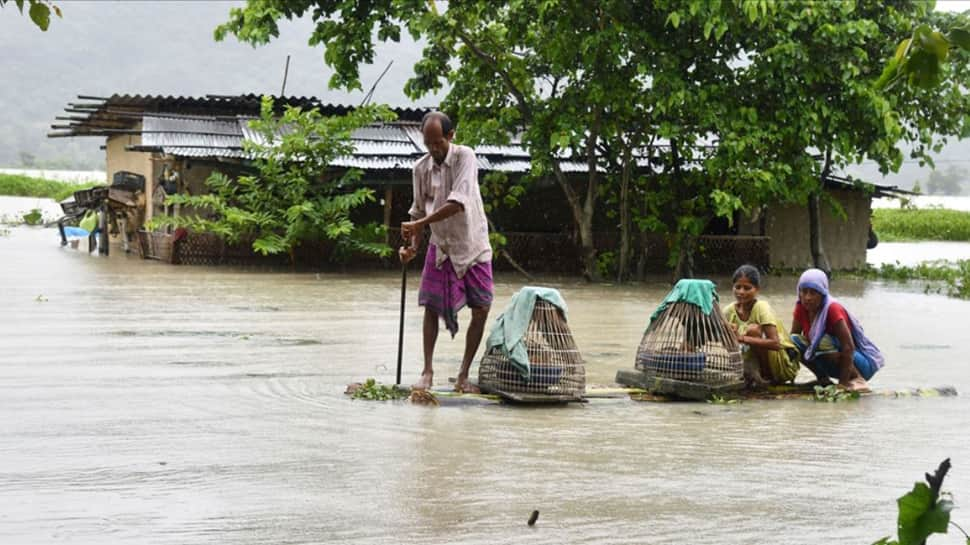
[{"x": 102, "y": 48}]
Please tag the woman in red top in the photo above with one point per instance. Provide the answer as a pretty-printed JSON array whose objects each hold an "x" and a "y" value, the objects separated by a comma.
[{"x": 830, "y": 339}]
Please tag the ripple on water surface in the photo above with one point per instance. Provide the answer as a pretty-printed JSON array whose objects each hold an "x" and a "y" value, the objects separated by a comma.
[{"x": 145, "y": 403}]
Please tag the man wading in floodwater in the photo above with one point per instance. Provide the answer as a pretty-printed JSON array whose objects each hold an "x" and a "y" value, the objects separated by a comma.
[{"x": 458, "y": 265}]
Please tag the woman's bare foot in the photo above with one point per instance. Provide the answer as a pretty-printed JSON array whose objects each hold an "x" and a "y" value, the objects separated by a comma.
[
  {"x": 424, "y": 382},
  {"x": 857, "y": 384}
]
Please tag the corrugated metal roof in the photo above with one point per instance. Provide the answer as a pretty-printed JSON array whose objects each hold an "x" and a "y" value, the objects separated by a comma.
[
  {"x": 414, "y": 134},
  {"x": 375, "y": 163},
  {"x": 190, "y": 132},
  {"x": 200, "y": 152}
]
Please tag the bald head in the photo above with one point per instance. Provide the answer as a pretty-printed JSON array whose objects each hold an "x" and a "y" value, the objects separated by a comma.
[
  {"x": 440, "y": 118},
  {"x": 437, "y": 131}
]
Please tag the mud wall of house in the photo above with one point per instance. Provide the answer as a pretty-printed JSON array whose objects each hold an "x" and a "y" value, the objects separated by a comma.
[
  {"x": 118, "y": 158},
  {"x": 844, "y": 239}
]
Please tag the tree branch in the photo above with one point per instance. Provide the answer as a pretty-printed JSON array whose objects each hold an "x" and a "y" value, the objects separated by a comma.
[{"x": 524, "y": 108}]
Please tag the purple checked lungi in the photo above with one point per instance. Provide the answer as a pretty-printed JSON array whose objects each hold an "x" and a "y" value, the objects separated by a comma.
[{"x": 445, "y": 294}]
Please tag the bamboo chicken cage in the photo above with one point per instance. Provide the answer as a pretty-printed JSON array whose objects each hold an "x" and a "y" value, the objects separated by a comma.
[
  {"x": 686, "y": 344},
  {"x": 557, "y": 372}
]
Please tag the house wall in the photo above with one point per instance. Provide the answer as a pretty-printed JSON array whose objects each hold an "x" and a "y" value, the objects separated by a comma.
[
  {"x": 844, "y": 240},
  {"x": 140, "y": 162}
]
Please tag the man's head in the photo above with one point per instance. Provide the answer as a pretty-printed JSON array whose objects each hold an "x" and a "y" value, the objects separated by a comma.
[{"x": 438, "y": 131}]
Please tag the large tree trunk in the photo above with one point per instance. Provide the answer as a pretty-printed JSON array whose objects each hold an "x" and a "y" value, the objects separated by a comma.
[
  {"x": 819, "y": 260},
  {"x": 623, "y": 266}
]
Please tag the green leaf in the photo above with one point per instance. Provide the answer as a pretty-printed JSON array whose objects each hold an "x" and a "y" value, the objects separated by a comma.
[
  {"x": 902, "y": 49},
  {"x": 40, "y": 14},
  {"x": 919, "y": 517},
  {"x": 960, "y": 37},
  {"x": 673, "y": 19}
]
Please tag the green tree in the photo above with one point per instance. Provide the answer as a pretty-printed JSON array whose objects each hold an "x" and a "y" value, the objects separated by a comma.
[
  {"x": 293, "y": 195},
  {"x": 39, "y": 11},
  {"x": 550, "y": 70},
  {"x": 811, "y": 68},
  {"x": 783, "y": 91}
]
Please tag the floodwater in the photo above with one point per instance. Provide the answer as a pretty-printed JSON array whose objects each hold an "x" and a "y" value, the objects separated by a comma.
[{"x": 145, "y": 403}]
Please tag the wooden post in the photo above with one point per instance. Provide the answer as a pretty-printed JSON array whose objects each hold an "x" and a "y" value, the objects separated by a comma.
[{"x": 103, "y": 226}]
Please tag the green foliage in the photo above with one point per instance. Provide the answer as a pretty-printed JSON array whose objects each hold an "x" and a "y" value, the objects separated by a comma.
[
  {"x": 919, "y": 59},
  {"x": 39, "y": 11},
  {"x": 833, "y": 394},
  {"x": 950, "y": 278},
  {"x": 34, "y": 217},
  {"x": 923, "y": 511},
  {"x": 374, "y": 391},
  {"x": 16, "y": 185},
  {"x": 895, "y": 224},
  {"x": 606, "y": 264},
  {"x": 292, "y": 195},
  {"x": 774, "y": 83}
]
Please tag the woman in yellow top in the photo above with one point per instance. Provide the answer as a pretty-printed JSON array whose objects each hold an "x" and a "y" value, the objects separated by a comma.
[{"x": 765, "y": 344}]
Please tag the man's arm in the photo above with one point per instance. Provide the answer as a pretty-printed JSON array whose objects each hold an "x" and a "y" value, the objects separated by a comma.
[
  {"x": 414, "y": 228},
  {"x": 407, "y": 253}
]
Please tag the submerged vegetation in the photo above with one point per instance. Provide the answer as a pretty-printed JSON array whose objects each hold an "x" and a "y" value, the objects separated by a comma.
[
  {"x": 374, "y": 391},
  {"x": 921, "y": 224},
  {"x": 16, "y": 185},
  {"x": 832, "y": 394},
  {"x": 948, "y": 277}
]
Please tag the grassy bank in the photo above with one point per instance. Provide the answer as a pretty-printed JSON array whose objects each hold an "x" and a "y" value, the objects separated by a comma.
[
  {"x": 894, "y": 225},
  {"x": 15, "y": 185},
  {"x": 947, "y": 277}
]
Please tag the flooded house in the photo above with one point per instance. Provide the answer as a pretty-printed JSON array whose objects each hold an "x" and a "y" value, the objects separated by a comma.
[{"x": 172, "y": 144}]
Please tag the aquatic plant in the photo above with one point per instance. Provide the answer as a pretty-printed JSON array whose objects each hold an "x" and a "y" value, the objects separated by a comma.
[
  {"x": 34, "y": 217},
  {"x": 909, "y": 224},
  {"x": 924, "y": 511},
  {"x": 375, "y": 391},
  {"x": 951, "y": 278},
  {"x": 833, "y": 394},
  {"x": 16, "y": 185}
]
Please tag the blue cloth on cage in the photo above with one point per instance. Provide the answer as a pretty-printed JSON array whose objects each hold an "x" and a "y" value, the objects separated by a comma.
[
  {"x": 701, "y": 293},
  {"x": 510, "y": 327}
]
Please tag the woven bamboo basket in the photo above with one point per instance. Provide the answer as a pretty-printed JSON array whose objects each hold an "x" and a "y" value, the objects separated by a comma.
[
  {"x": 556, "y": 366},
  {"x": 685, "y": 344}
]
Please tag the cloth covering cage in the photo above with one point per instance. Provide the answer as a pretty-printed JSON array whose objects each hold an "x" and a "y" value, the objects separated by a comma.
[
  {"x": 531, "y": 355},
  {"x": 688, "y": 349}
]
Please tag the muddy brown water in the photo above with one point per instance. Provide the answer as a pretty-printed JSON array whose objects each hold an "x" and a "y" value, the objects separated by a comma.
[{"x": 145, "y": 403}]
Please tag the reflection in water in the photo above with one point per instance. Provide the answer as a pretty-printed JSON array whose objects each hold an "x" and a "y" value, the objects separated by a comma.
[{"x": 146, "y": 403}]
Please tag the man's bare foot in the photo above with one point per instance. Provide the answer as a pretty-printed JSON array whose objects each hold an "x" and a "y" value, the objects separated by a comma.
[
  {"x": 424, "y": 382},
  {"x": 463, "y": 386},
  {"x": 857, "y": 384}
]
